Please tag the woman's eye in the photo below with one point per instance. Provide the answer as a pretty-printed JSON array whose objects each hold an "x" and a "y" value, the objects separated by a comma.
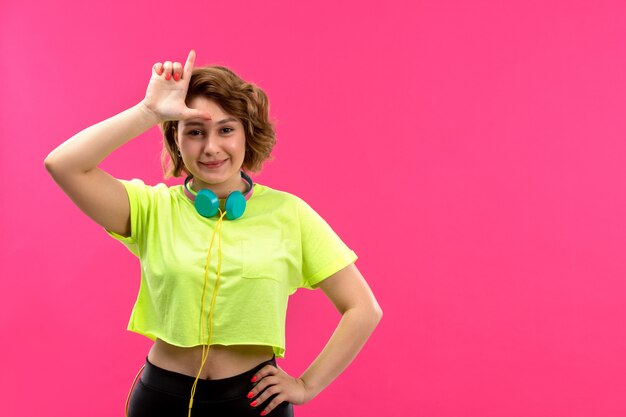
[
  {"x": 227, "y": 129},
  {"x": 195, "y": 132}
]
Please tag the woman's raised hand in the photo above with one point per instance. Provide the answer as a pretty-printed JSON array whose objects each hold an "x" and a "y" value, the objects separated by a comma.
[{"x": 165, "y": 96}]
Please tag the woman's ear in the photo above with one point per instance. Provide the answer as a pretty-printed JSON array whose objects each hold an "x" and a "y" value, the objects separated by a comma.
[{"x": 174, "y": 131}]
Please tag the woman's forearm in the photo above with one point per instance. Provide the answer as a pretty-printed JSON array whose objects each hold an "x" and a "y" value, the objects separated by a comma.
[
  {"x": 354, "y": 328},
  {"x": 85, "y": 150}
]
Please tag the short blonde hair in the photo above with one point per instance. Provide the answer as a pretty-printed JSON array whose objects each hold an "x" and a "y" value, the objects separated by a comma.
[{"x": 241, "y": 99}]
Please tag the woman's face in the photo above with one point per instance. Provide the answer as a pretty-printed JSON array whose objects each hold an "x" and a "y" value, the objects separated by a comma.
[{"x": 213, "y": 150}]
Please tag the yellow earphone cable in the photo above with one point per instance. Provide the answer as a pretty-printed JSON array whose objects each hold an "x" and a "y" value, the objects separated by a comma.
[{"x": 205, "y": 352}]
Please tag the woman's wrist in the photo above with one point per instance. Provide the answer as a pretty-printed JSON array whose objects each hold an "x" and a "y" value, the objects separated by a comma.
[
  {"x": 309, "y": 393},
  {"x": 149, "y": 114}
]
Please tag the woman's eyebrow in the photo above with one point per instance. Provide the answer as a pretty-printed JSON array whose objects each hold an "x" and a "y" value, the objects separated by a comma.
[
  {"x": 187, "y": 124},
  {"x": 228, "y": 119}
]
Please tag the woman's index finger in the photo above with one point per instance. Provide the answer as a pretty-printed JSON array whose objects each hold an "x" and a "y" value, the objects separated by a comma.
[{"x": 191, "y": 58}]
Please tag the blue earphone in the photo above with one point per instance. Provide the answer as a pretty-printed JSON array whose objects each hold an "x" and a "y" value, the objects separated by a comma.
[{"x": 207, "y": 204}]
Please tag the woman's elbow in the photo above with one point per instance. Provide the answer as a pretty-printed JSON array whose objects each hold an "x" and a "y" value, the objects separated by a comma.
[
  {"x": 378, "y": 313},
  {"x": 373, "y": 313}
]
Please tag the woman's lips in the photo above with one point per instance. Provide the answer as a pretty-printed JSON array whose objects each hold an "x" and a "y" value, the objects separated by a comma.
[{"x": 213, "y": 164}]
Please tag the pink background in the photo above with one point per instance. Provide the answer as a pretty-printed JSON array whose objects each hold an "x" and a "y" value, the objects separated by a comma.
[{"x": 471, "y": 152}]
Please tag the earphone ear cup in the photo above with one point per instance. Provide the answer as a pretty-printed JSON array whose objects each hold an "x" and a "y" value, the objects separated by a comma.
[
  {"x": 235, "y": 205},
  {"x": 207, "y": 203}
]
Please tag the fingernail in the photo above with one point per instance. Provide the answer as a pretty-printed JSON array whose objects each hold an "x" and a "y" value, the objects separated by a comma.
[
  {"x": 168, "y": 76},
  {"x": 254, "y": 378},
  {"x": 250, "y": 394},
  {"x": 176, "y": 76},
  {"x": 253, "y": 403},
  {"x": 263, "y": 413}
]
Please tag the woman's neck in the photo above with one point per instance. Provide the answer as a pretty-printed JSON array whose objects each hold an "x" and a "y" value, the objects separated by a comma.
[{"x": 221, "y": 190}]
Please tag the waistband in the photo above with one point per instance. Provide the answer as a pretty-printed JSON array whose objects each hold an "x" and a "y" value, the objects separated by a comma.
[{"x": 207, "y": 389}]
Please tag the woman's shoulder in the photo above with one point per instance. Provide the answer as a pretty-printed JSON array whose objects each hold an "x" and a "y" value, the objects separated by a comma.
[
  {"x": 158, "y": 186},
  {"x": 275, "y": 195},
  {"x": 157, "y": 191}
]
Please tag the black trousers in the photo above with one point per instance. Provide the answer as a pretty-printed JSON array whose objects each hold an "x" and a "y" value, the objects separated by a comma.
[{"x": 163, "y": 393}]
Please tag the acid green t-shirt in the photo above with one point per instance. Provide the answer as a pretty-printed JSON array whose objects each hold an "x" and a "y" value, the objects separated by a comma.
[{"x": 280, "y": 244}]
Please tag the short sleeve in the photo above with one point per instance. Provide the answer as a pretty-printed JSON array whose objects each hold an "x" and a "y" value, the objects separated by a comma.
[
  {"x": 140, "y": 201},
  {"x": 323, "y": 251}
]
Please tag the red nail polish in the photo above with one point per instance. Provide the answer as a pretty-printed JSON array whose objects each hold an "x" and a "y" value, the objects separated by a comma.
[
  {"x": 176, "y": 76},
  {"x": 168, "y": 76},
  {"x": 254, "y": 378},
  {"x": 253, "y": 403},
  {"x": 250, "y": 394},
  {"x": 263, "y": 413}
]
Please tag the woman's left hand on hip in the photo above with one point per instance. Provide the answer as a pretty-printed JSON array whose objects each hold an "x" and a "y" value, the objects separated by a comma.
[{"x": 273, "y": 380}]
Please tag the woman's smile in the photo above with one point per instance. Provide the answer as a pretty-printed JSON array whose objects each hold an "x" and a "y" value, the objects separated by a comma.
[{"x": 213, "y": 165}]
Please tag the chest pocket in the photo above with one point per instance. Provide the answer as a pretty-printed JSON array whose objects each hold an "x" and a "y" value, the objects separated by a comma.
[{"x": 265, "y": 259}]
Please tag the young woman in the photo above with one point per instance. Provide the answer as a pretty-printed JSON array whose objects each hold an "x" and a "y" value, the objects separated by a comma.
[{"x": 220, "y": 255}]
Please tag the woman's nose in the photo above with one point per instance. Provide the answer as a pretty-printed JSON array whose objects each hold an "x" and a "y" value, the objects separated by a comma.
[{"x": 211, "y": 146}]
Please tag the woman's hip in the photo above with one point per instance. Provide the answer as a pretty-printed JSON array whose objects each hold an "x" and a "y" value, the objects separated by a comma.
[{"x": 160, "y": 392}]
